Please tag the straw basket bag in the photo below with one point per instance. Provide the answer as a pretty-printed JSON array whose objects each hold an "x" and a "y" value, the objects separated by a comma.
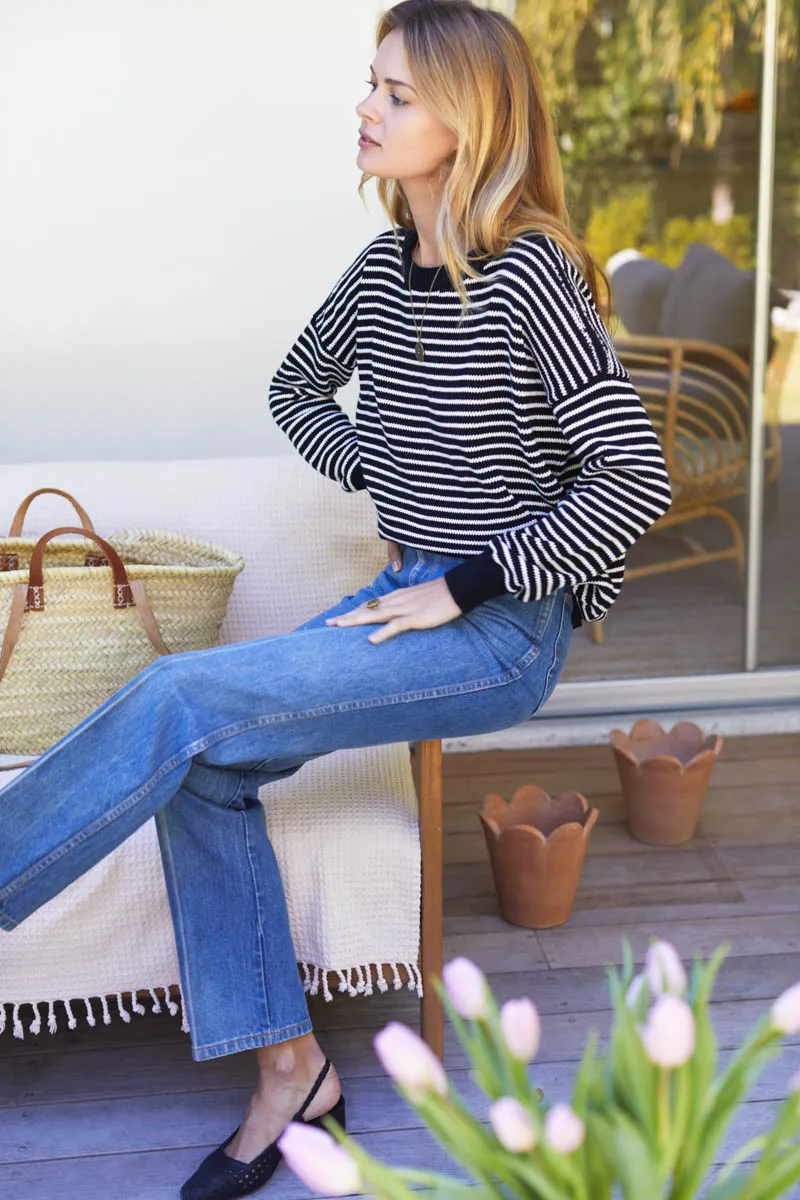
[{"x": 85, "y": 614}]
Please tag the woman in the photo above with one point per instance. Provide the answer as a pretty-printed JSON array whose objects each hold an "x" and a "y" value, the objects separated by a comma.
[{"x": 511, "y": 464}]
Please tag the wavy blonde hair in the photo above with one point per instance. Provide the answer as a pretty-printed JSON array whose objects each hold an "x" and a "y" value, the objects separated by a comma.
[{"x": 473, "y": 69}]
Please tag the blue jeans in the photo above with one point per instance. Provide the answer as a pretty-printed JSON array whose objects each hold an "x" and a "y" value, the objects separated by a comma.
[{"x": 192, "y": 738}]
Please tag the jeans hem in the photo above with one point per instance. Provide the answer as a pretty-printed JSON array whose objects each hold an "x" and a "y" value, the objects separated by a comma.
[
  {"x": 7, "y": 923},
  {"x": 251, "y": 1041}
]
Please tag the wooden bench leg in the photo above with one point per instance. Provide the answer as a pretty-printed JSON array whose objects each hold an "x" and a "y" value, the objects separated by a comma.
[{"x": 430, "y": 827}]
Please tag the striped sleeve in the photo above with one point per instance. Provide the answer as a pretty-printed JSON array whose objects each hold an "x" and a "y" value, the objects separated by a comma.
[
  {"x": 620, "y": 486},
  {"x": 303, "y": 389}
]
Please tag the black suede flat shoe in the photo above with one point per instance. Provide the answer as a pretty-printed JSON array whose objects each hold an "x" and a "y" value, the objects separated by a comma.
[{"x": 220, "y": 1177}]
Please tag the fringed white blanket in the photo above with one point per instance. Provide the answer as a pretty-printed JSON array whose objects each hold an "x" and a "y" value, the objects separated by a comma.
[
  {"x": 344, "y": 827},
  {"x": 345, "y": 833}
]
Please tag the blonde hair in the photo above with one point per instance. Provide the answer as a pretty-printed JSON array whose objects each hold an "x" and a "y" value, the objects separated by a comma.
[{"x": 473, "y": 69}]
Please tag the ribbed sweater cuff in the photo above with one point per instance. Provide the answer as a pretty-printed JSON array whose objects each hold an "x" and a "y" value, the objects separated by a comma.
[
  {"x": 356, "y": 481},
  {"x": 475, "y": 580}
]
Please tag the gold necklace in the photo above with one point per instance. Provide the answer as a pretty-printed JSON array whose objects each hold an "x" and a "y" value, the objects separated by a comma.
[{"x": 419, "y": 351}]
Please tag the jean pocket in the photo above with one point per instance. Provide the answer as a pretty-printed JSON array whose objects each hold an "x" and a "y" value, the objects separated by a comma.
[
  {"x": 546, "y": 672},
  {"x": 513, "y": 627}
]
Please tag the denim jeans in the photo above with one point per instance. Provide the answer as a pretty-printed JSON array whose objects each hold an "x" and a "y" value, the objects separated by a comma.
[{"x": 192, "y": 738}]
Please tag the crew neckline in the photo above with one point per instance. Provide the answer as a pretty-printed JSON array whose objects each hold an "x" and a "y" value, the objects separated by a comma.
[{"x": 426, "y": 277}]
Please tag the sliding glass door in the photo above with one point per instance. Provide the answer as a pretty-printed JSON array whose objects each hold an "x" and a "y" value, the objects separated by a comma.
[{"x": 692, "y": 204}]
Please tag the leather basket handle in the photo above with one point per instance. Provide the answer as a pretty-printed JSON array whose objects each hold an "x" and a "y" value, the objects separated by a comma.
[
  {"x": 18, "y": 519},
  {"x": 122, "y": 595},
  {"x": 29, "y": 597}
]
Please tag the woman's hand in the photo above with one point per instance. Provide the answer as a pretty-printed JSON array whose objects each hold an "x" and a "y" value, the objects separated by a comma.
[{"x": 423, "y": 606}]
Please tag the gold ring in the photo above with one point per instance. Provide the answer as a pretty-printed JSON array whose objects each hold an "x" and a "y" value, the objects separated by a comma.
[{"x": 374, "y": 602}]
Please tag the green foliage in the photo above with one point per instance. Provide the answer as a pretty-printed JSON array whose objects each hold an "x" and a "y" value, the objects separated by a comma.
[
  {"x": 620, "y": 224},
  {"x": 626, "y": 221},
  {"x": 694, "y": 51},
  {"x": 734, "y": 239},
  {"x": 632, "y": 84}
]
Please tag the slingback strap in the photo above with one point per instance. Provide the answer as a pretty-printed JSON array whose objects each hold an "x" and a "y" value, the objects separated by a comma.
[{"x": 315, "y": 1088}]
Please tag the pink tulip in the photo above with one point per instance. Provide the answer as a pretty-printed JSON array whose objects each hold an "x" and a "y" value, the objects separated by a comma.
[
  {"x": 634, "y": 990},
  {"x": 512, "y": 1125},
  {"x": 466, "y": 987},
  {"x": 521, "y": 1028},
  {"x": 785, "y": 1012},
  {"x": 409, "y": 1060},
  {"x": 563, "y": 1129},
  {"x": 664, "y": 970},
  {"x": 669, "y": 1035},
  {"x": 322, "y": 1164}
]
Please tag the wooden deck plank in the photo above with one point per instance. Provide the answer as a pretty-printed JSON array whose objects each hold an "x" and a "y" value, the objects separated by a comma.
[
  {"x": 778, "y": 934},
  {"x": 770, "y": 799},
  {"x": 174, "y": 1119},
  {"x": 158, "y": 1175}
]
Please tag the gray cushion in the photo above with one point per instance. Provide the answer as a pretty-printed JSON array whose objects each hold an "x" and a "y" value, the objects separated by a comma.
[
  {"x": 712, "y": 300},
  {"x": 638, "y": 289}
]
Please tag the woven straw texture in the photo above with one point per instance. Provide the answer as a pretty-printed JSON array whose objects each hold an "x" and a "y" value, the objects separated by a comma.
[{"x": 81, "y": 649}]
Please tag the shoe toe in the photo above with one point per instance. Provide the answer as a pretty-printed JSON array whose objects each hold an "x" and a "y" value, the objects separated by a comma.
[{"x": 222, "y": 1178}]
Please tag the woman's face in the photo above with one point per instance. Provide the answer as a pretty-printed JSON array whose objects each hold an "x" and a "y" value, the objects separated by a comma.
[{"x": 411, "y": 142}]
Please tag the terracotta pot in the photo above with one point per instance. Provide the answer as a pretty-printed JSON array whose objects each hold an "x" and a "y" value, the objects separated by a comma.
[
  {"x": 664, "y": 777},
  {"x": 536, "y": 845}
]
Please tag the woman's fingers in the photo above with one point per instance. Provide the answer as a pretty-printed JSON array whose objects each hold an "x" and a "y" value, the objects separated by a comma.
[
  {"x": 395, "y": 553},
  {"x": 420, "y": 607}
]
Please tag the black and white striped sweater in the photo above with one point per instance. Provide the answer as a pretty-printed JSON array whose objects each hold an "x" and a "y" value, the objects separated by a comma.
[{"x": 519, "y": 443}]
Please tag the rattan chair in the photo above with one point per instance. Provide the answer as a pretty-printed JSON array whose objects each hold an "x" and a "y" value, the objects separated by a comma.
[{"x": 697, "y": 396}]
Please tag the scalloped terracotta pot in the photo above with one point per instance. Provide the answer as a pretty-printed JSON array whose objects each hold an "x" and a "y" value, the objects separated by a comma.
[
  {"x": 664, "y": 777},
  {"x": 537, "y": 845}
]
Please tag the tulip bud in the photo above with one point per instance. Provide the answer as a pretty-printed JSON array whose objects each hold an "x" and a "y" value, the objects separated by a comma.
[
  {"x": 563, "y": 1129},
  {"x": 785, "y": 1012},
  {"x": 521, "y": 1028},
  {"x": 669, "y": 1035},
  {"x": 664, "y": 970},
  {"x": 634, "y": 990},
  {"x": 512, "y": 1125},
  {"x": 409, "y": 1060},
  {"x": 321, "y": 1163},
  {"x": 466, "y": 987}
]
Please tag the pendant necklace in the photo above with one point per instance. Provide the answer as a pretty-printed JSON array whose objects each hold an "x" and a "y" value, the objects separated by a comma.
[{"x": 420, "y": 350}]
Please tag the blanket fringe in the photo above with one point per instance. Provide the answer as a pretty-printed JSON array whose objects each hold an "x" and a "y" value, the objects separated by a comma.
[
  {"x": 35, "y": 1027},
  {"x": 184, "y": 1018},
  {"x": 36, "y": 1023},
  {"x": 357, "y": 980}
]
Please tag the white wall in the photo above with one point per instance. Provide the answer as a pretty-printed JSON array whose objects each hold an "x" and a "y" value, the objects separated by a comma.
[{"x": 177, "y": 196}]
